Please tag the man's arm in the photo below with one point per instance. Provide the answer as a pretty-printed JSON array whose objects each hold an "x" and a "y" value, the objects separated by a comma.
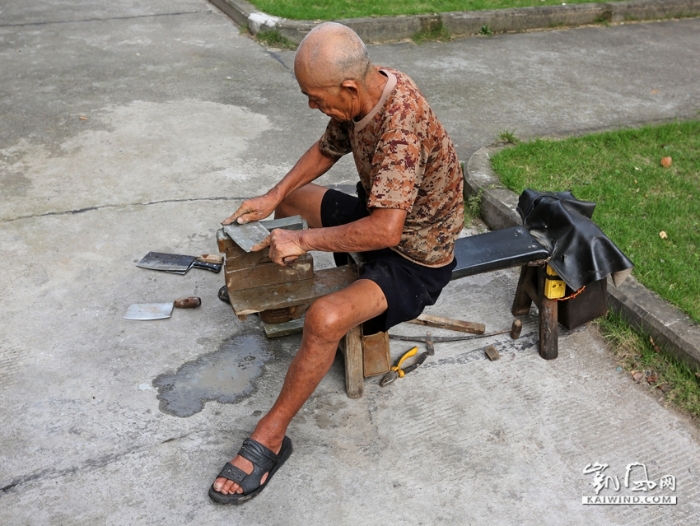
[
  {"x": 381, "y": 229},
  {"x": 312, "y": 165}
]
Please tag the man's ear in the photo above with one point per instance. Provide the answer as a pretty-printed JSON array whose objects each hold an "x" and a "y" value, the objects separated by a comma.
[{"x": 352, "y": 86}]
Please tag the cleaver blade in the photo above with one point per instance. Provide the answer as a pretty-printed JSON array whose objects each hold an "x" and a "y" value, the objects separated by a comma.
[
  {"x": 247, "y": 235},
  {"x": 160, "y": 311},
  {"x": 174, "y": 263},
  {"x": 149, "y": 311}
]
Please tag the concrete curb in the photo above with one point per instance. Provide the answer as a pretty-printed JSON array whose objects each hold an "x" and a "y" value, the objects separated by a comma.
[
  {"x": 641, "y": 308},
  {"x": 394, "y": 28}
]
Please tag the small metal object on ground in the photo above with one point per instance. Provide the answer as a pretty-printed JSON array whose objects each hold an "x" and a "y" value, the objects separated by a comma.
[
  {"x": 398, "y": 371},
  {"x": 492, "y": 353},
  {"x": 277, "y": 330}
]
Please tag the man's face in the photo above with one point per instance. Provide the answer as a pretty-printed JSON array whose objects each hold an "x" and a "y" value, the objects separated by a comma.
[{"x": 338, "y": 102}]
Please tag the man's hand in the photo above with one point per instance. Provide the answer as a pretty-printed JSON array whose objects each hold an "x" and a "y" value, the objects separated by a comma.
[
  {"x": 253, "y": 209},
  {"x": 285, "y": 246}
]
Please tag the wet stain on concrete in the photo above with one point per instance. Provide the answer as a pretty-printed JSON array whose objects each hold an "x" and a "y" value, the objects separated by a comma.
[{"x": 227, "y": 376}]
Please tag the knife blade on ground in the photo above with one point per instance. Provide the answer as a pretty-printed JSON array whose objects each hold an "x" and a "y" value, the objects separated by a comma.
[
  {"x": 177, "y": 263},
  {"x": 160, "y": 311}
]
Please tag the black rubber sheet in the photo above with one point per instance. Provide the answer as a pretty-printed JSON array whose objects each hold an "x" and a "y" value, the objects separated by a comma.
[{"x": 580, "y": 252}]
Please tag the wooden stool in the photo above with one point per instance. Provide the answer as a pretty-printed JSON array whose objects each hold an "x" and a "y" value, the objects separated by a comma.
[
  {"x": 255, "y": 284},
  {"x": 365, "y": 356},
  {"x": 531, "y": 288}
]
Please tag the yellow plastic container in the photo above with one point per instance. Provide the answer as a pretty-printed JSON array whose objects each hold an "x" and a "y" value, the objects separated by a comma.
[{"x": 554, "y": 287}]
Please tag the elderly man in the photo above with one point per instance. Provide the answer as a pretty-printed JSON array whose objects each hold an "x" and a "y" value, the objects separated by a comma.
[{"x": 405, "y": 220}]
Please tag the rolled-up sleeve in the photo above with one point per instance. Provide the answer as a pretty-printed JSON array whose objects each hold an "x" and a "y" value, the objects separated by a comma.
[{"x": 335, "y": 141}]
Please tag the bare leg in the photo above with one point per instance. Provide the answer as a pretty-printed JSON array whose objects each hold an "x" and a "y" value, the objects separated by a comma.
[
  {"x": 327, "y": 321},
  {"x": 306, "y": 202}
]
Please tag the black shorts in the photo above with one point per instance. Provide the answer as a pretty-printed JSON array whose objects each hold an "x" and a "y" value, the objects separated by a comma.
[{"x": 407, "y": 286}]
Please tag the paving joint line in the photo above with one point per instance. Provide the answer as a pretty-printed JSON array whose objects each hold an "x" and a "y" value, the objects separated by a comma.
[
  {"x": 82, "y": 20},
  {"x": 104, "y": 207},
  {"x": 87, "y": 465}
]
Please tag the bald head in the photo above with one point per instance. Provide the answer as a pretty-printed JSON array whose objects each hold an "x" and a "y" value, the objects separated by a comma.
[{"x": 330, "y": 54}]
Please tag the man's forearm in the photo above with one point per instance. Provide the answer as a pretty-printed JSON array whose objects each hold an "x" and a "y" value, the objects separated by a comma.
[
  {"x": 310, "y": 166},
  {"x": 382, "y": 229}
]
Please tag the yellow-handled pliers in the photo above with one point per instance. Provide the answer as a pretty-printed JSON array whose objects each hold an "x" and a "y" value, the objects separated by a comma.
[{"x": 397, "y": 372}]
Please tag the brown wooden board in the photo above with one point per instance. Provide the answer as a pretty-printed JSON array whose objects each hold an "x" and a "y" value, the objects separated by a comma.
[
  {"x": 270, "y": 273},
  {"x": 492, "y": 353},
  {"x": 375, "y": 354},
  {"x": 351, "y": 347},
  {"x": 237, "y": 258},
  {"x": 449, "y": 323},
  {"x": 325, "y": 281}
]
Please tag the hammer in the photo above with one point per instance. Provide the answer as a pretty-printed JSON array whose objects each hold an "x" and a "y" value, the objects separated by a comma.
[{"x": 514, "y": 331}]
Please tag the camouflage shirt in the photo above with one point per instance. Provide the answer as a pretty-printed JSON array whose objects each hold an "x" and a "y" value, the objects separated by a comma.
[{"x": 405, "y": 160}]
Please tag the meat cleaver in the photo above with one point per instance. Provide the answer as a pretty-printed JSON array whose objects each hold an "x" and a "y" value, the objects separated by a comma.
[
  {"x": 159, "y": 311},
  {"x": 247, "y": 235},
  {"x": 175, "y": 263}
]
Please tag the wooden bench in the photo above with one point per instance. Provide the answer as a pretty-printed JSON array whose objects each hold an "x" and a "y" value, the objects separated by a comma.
[{"x": 257, "y": 285}]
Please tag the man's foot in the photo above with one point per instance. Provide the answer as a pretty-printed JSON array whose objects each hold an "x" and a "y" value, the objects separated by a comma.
[
  {"x": 265, "y": 463},
  {"x": 223, "y": 295},
  {"x": 228, "y": 487}
]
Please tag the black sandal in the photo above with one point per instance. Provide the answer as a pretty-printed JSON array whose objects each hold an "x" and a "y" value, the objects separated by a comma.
[
  {"x": 223, "y": 295},
  {"x": 263, "y": 460}
]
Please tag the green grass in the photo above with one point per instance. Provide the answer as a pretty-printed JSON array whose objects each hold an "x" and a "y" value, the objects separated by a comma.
[
  {"x": 433, "y": 34},
  {"x": 472, "y": 208},
  {"x": 637, "y": 198},
  {"x": 653, "y": 369},
  {"x": 274, "y": 39},
  {"x": 334, "y": 9},
  {"x": 508, "y": 137}
]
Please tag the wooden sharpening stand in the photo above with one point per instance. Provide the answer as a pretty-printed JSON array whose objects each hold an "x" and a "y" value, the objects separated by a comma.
[{"x": 256, "y": 284}]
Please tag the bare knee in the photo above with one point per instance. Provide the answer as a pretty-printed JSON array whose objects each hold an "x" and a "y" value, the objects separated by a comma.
[
  {"x": 306, "y": 202},
  {"x": 325, "y": 320}
]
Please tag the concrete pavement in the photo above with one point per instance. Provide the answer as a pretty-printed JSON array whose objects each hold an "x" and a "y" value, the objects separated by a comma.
[{"x": 183, "y": 117}]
